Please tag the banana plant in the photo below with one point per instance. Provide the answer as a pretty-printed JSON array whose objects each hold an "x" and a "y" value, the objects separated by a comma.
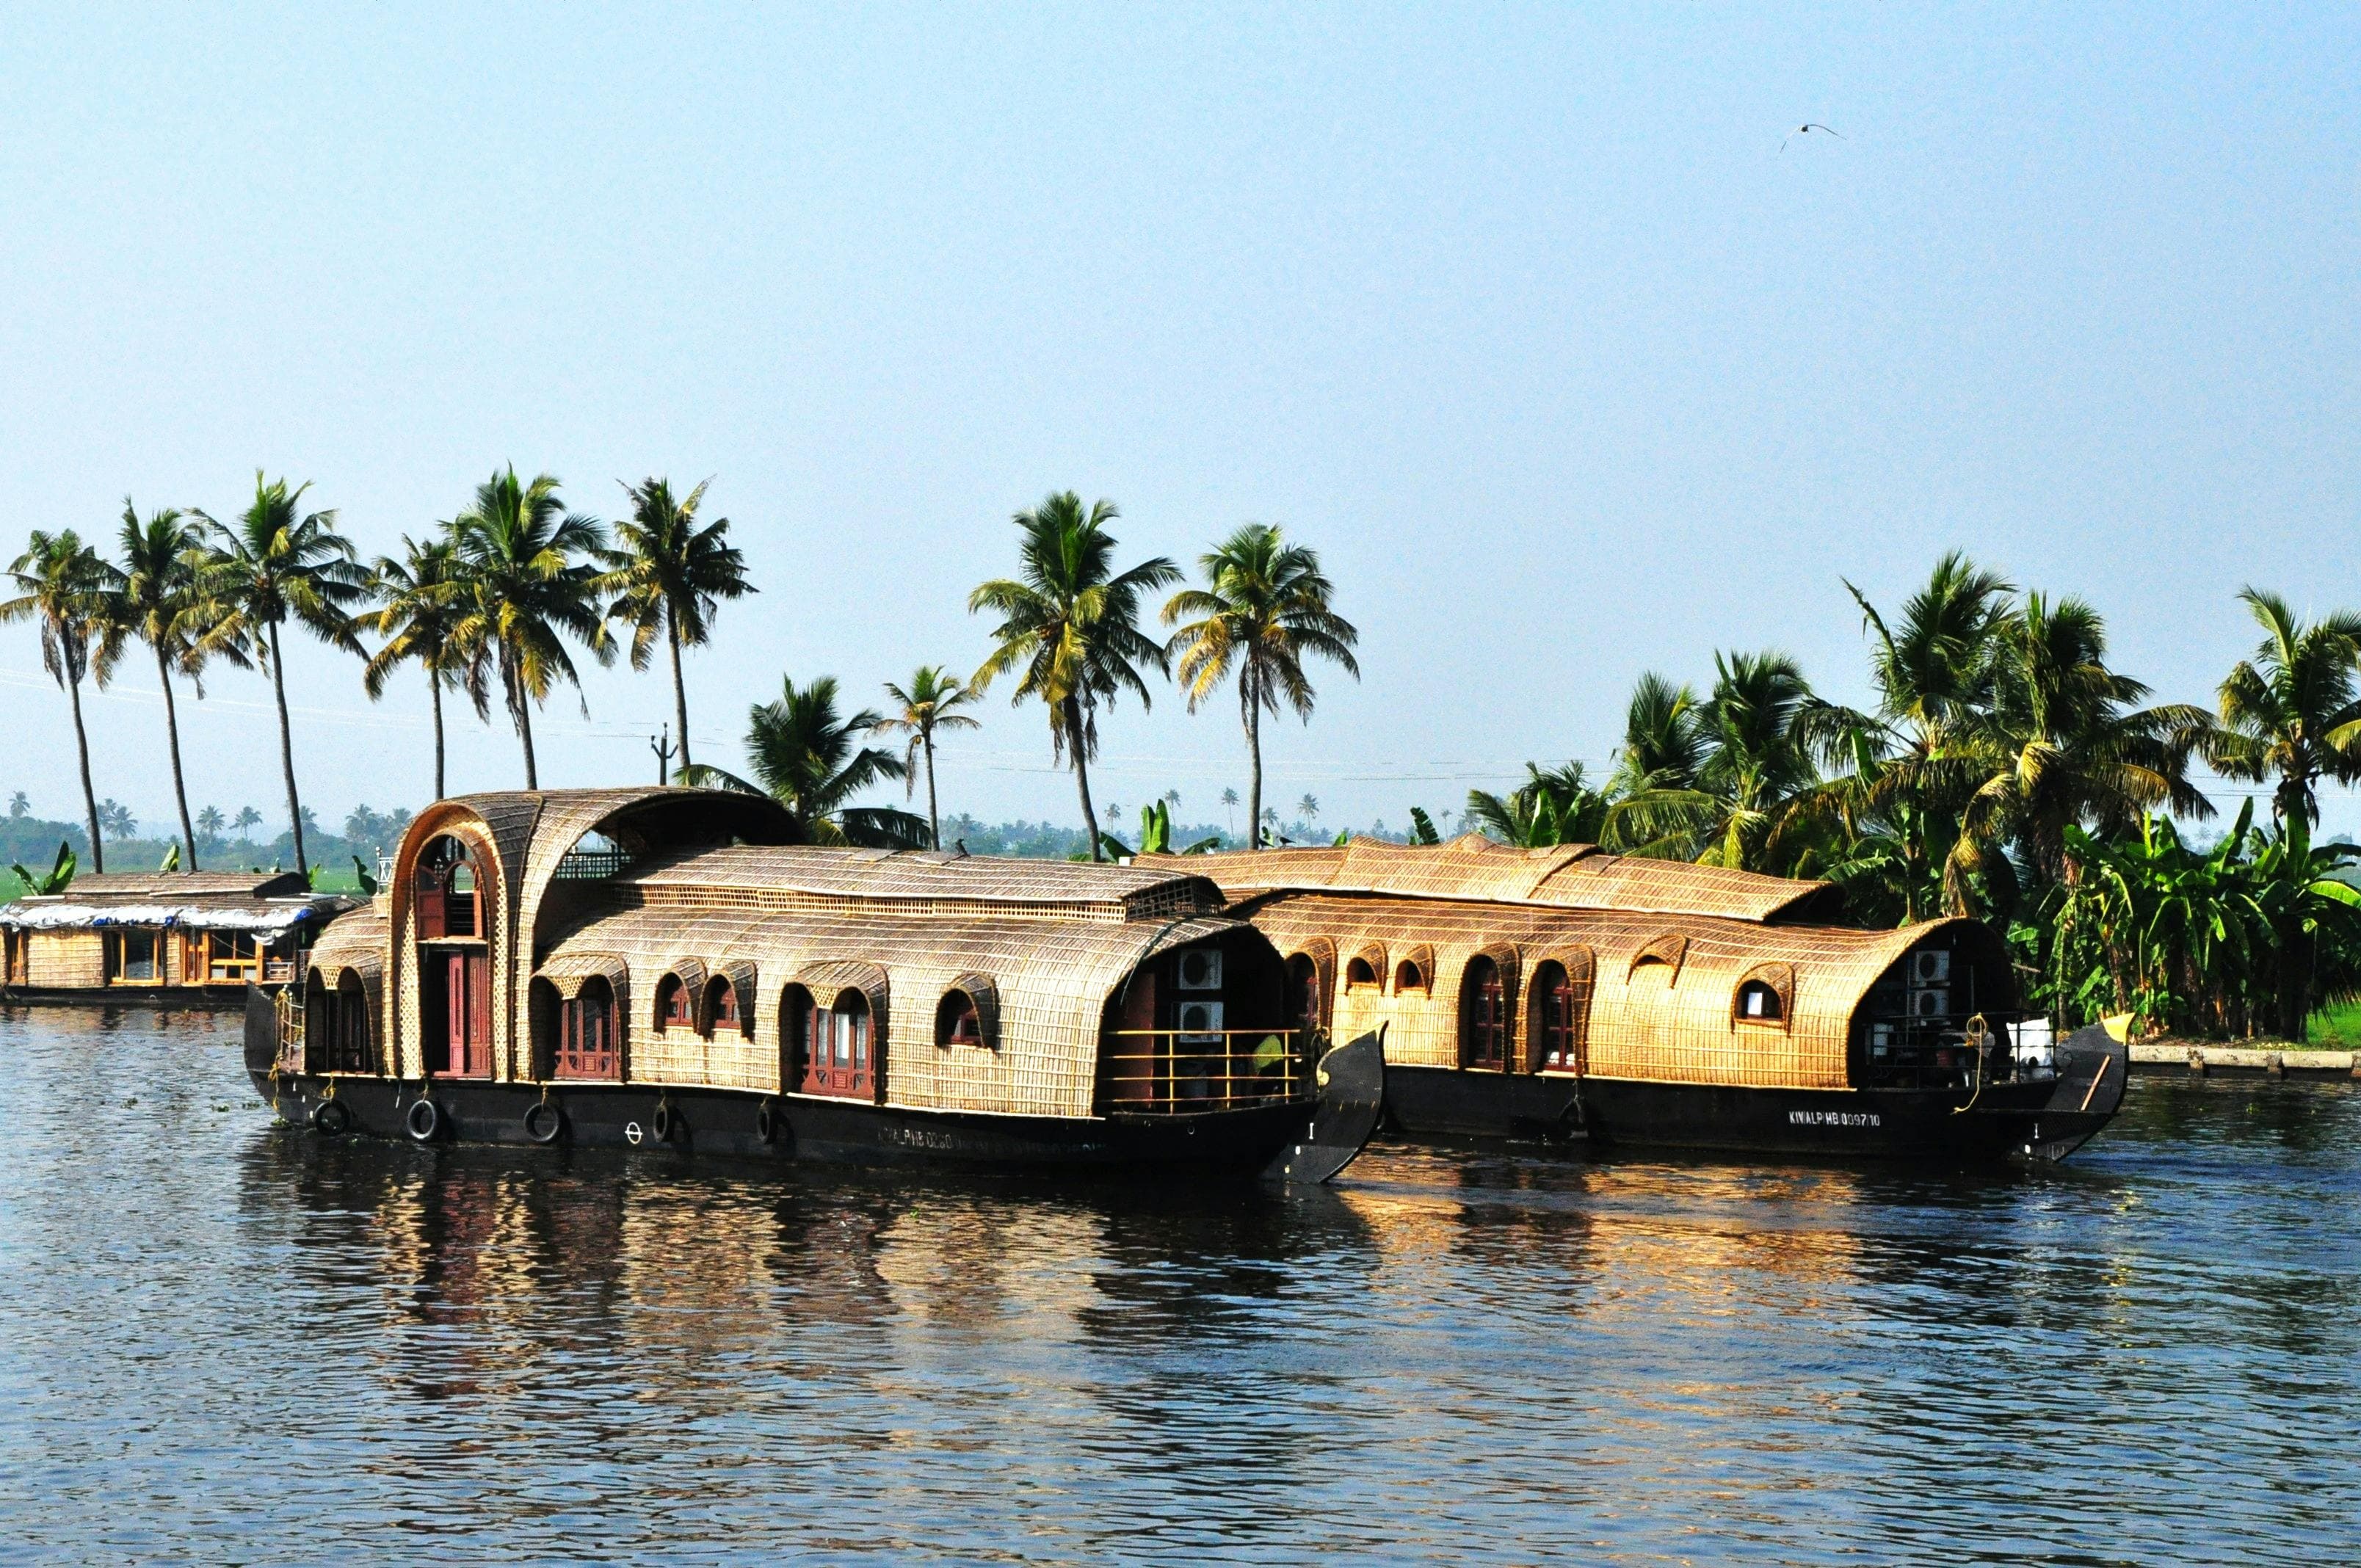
[
  {"x": 59, "y": 876},
  {"x": 1155, "y": 835}
]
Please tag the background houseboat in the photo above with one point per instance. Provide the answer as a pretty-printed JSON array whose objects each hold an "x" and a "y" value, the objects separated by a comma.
[
  {"x": 662, "y": 967},
  {"x": 1569, "y": 992},
  {"x": 171, "y": 937}
]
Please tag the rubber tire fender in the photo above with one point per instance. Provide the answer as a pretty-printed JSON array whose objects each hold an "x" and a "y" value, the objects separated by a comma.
[
  {"x": 664, "y": 1123},
  {"x": 424, "y": 1120},
  {"x": 766, "y": 1122},
  {"x": 544, "y": 1123},
  {"x": 331, "y": 1118}
]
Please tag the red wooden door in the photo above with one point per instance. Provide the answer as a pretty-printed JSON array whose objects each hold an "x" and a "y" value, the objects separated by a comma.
[
  {"x": 467, "y": 1014},
  {"x": 838, "y": 1057}
]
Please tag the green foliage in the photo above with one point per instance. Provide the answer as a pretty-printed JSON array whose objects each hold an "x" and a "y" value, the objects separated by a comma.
[
  {"x": 60, "y": 874},
  {"x": 807, "y": 756},
  {"x": 171, "y": 862},
  {"x": 1155, "y": 835},
  {"x": 1421, "y": 826}
]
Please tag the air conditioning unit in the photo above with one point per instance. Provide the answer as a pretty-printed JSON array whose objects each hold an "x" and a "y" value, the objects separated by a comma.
[
  {"x": 1199, "y": 1023},
  {"x": 1200, "y": 969},
  {"x": 1930, "y": 967},
  {"x": 1931, "y": 1002}
]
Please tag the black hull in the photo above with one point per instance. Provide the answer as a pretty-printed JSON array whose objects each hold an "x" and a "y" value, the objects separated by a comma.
[
  {"x": 174, "y": 998},
  {"x": 2043, "y": 1120},
  {"x": 729, "y": 1124}
]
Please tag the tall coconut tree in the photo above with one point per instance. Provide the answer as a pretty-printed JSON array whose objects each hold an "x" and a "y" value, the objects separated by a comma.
[
  {"x": 420, "y": 602},
  {"x": 276, "y": 561},
  {"x": 1755, "y": 732},
  {"x": 63, "y": 587},
  {"x": 2293, "y": 713},
  {"x": 1071, "y": 623},
  {"x": 155, "y": 599},
  {"x": 808, "y": 757},
  {"x": 1265, "y": 609},
  {"x": 2065, "y": 744},
  {"x": 668, "y": 576},
  {"x": 930, "y": 704},
  {"x": 531, "y": 585}
]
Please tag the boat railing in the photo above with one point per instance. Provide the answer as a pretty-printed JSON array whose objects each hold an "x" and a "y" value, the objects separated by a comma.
[
  {"x": 290, "y": 1008},
  {"x": 277, "y": 972},
  {"x": 1167, "y": 1072}
]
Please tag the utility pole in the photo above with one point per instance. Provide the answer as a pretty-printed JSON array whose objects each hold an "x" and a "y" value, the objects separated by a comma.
[{"x": 662, "y": 747}]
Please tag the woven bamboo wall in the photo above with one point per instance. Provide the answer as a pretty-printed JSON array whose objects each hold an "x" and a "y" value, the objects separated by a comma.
[
  {"x": 63, "y": 958},
  {"x": 1664, "y": 1022}
]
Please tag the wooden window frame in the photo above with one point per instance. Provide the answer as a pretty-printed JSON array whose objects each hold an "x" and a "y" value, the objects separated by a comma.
[
  {"x": 675, "y": 1008},
  {"x": 579, "y": 1058},
  {"x": 957, "y": 1021},
  {"x": 1475, "y": 995},
  {"x": 117, "y": 962},
  {"x": 721, "y": 1007}
]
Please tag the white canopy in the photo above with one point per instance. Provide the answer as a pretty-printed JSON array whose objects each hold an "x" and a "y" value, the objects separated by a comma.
[{"x": 273, "y": 916}]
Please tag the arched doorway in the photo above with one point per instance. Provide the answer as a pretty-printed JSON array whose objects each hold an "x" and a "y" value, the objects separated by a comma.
[
  {"x": 1558, "y": 1006},
  {"x": 840, "y": 1051},
  {"x": 587, "y": 1033},
  {"x": 1483, "y": 1017},
  {"x": 450, "y": 903},
  {"x": 1306, "y": 1008}
]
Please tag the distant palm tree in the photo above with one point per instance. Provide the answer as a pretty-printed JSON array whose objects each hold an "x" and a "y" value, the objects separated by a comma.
[
  {"x": 1265, "y": 606},
  {"x": 1072, "y": 623},
  {"x": 210, "y": 822},
  {"x": 248, "y": 819},
  {"x": 274, "y": 563},
  {"x": 928, "y": 704},
  {"x": 116, "y": 818},
  {"x": 155, "y": 599},
  {"x": 20, "y": 805},
  {"x": 668, "y": 575},
  {"x": 1229, "y": 805},
  {"x": 809, "y": 758},
  {"x": 1308, "y": 807},
  {"x": 529, "y": 588},
  {"x": 64, "y": 588},
  {"x": 422, "y": 601},
  {"x": 2294, "y": 710},
  {"x": 1171, "y": 797}
]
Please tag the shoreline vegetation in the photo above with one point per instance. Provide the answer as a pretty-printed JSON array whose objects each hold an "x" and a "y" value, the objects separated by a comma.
[{"x": 2004, "y": 770}]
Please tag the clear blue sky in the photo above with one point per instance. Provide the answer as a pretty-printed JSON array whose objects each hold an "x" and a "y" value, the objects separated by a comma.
[{"x": 1522, "y": 318}]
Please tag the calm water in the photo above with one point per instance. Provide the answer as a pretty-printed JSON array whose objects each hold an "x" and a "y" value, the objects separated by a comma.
[{"x": 227, "y": 1342}]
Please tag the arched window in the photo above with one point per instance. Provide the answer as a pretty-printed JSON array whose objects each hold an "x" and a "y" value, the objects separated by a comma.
[
  {"x": 1416, "y": 973},
  {"x": 722, "y": 1006},
  {"x": 586, "y": 1044},
  {"x": 352, "y": 1025},
  {"x": 446, "y": 892},
  {"x": 1760, "y": 1002},
  {"x": 673, "y": 1009},
  {"x": 1304, "y": 995},
  {"x": 837, "y": 1058},
  {"x": 1361, "y": 975},
  {"x": 957, "y": 1021},
  {"x": 1558, "y": 1020},
  {"x": 1483, "y": 1017}
]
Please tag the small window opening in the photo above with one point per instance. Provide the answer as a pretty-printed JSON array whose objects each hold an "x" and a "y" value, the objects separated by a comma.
[
  {"x": 1360, "y": 975},
  {"x": 1758, "y": 1003},
  {"x": 672, "y": 1011},
  {"x": 957, "y": 1021}
]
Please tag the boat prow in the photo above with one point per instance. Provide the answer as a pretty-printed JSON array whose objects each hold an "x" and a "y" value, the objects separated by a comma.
[{"x": 1352, "y": 1080}]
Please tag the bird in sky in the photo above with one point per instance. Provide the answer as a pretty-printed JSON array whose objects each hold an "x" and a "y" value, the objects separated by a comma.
[{"x": 1805, "y": 127}]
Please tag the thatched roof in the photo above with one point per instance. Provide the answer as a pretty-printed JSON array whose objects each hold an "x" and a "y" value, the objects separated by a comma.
[
  {"x": 908, "y": 876},
  {"x": 1473, "y": 868}
]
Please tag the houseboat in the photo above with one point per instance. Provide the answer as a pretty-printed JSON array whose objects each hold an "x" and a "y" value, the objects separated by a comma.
[
  {"x": 666, "y": 967},
  {"x": 1570, "y": 994},
  {"x": 169, "y": 938}
]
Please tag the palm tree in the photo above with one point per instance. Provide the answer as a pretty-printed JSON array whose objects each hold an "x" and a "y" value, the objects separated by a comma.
[
  {"x": 2294, "y": 710},
  {"x": 248, "y": 819},
  {"x": 1072, "y": 623},
  {"x": 669, "y": 574},
  {"x": 116, "y": 818},
  {"x": 1554, "y": 805},
  {"x": 2063, "y": 745},
  {"x": 1230, "y": 806},
  {"x": 1265, "y": 608},
  {"x": 64, "y": 587},
  {"x": 928, "y": 704},
  {"x": 210, "y": 822},
  {"x": 527, "y": 588},
  {"x": 278, "y": 562},
  {"x": 1755, "y": 734},
  {"x": 809, "y": 758},
  {"x": 421, "y": 603},
  {"x": 154, "y": 599}
]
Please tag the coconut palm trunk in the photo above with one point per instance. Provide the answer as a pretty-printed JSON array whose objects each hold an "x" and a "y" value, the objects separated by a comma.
[
  {"x": 1253, "y": 704},
  {"x": 287, "y": 751},
  {"x": 1072, "y": 710},
  {"x": 172, "y": 739},
  {"x": 521, "y": 708},
  {"x": 435, "y": 690},
  {"x": 680, "y": 690},
  {"x": 88, "y": 796},
  {"x": 934, "y": 816}
]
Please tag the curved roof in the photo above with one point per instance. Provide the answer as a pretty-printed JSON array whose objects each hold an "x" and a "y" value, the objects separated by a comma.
[
  {"x": 1131, "y": 892},
  {"x": 1475, "y": 869}
]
